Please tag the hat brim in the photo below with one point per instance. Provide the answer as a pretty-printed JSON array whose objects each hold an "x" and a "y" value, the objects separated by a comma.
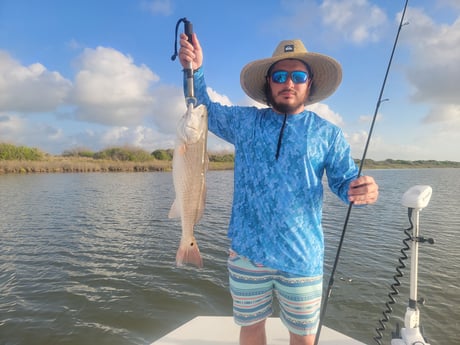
[{"x": 326, "y": 71}]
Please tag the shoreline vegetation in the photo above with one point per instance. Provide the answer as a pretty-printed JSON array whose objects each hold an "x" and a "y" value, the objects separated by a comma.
[{"x": 25, "y": 160}]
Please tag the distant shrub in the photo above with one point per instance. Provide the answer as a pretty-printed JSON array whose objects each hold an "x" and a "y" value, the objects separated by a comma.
[
  {"x": 163, "y": 155},
  {"x": 87, "y": 154},
  {"x": 78, "y": 152},
  {"x": 222, "y": 157},
  {"x": 12, "y": 152},
  {"x": 124, "y": 154}
]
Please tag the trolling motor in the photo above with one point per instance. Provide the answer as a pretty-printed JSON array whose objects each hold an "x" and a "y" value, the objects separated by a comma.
[{"x": 415, "y": 199}]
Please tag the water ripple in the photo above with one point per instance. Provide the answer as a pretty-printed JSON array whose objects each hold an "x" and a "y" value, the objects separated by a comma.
[{"x": 89, "y": 258}]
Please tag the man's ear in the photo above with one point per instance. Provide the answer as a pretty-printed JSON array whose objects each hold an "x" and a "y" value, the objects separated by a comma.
[{"x": 310, "y": 87}]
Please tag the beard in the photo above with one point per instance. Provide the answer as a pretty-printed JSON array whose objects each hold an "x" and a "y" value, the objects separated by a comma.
[
  {"x": 285, "y": 108},
  {"x": 282, "y": 107}
]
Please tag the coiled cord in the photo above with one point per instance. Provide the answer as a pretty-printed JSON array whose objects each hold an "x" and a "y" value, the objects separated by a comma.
[{"x": 394, "y": 291}]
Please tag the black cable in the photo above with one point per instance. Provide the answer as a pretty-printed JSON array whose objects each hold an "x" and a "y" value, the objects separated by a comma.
[
  {"x": 394, "y": 291},
  {"x": 174, "y": 56},
  {"x": 280, "y": 137},
  {"x": 339, "y": 248}
]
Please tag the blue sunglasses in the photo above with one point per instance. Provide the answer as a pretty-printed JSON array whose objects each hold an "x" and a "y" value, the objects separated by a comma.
[{"x": 297, "y": 77}]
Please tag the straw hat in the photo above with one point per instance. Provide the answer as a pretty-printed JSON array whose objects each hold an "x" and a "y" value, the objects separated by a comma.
[{"x": 326, "y": 72}]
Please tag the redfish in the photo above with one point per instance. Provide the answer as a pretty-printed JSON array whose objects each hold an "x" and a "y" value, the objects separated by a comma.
[{"x": 190, "y": 164}]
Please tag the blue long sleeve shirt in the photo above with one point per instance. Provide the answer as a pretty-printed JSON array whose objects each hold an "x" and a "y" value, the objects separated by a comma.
[{"x": 277, "y": 203}]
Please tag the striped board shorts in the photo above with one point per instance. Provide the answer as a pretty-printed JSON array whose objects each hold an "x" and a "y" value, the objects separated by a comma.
[{"x": 252, "y": 288}]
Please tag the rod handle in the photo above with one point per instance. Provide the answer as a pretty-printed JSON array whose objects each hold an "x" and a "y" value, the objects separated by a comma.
[{"x": 188, "y": 29}]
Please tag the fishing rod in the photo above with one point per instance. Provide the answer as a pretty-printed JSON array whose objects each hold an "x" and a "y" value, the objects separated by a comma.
[
  {"x": 188, "y": 72},
  {"x": 350, "y": 206}
]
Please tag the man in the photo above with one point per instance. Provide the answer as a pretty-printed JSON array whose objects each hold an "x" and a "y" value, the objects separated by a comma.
[{"x": 281, "y": 154}]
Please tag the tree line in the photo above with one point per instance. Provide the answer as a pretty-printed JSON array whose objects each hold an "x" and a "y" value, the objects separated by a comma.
[
  {"x": 126, "y": 153},
  {"x": 134, "y": 154}
]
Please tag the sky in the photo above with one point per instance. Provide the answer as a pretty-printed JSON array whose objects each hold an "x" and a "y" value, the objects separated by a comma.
[{"x": 97, "y": 74}]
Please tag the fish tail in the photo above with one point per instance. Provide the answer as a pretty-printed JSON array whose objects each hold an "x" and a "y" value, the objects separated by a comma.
[{"x": 188, "y": 253}]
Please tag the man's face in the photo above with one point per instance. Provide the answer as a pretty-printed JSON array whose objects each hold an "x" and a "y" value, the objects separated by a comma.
[{"x": 289, "y": 97}]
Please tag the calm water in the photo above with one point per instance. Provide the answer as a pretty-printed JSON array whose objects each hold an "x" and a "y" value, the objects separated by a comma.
[{"x": 89, "y": 258}]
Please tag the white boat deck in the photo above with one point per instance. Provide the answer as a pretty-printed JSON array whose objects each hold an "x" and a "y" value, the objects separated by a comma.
[{"x": 221, "y": 330}]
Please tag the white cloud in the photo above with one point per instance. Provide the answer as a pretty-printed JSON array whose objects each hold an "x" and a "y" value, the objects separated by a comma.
[
  {"x": 169, "y": 106},
  {"x": 333, "y": 21},
  {"x": 357, "y": 141},
  {"x": 434, "y": 70},
  {"x": 10, "y": 127},
  {"x": 216, "y": 97},
  {"x": 158, "y": 7},
  {"x": 138, "y": 136},
  {"x": 18, "y": 130},
  {"x": 445, "y": 115},
  {"x": 381, "y": 148},
  {"x": 30, "y": 88},
  {"x": 327, "y": 113},
  {"x": 110, "y": 89},
  {"x": 356, "y": 21},
  {"x": 248, "y": 101},
  {"x": 143, "y": 137},
  {"x": 433, "y": 73}
]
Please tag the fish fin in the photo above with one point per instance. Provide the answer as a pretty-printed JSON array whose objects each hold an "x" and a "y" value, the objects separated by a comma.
[
  {"x": 188, "y": 253},
  {"x": 174, "y": 212}
]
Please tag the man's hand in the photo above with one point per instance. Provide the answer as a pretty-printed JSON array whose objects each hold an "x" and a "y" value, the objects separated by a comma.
[
  {"x": 189, "y": 52},
  {"x": 363, "y": 191}
]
